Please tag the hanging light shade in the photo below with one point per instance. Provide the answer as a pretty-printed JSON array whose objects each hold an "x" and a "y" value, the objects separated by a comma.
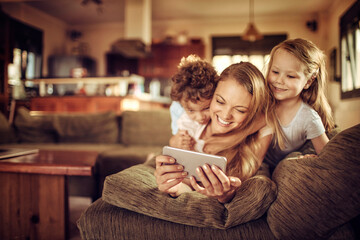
[{"x": 251, "y": 33}]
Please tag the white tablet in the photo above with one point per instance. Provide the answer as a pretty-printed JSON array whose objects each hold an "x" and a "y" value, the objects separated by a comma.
[{"x": 191, "y": 160}]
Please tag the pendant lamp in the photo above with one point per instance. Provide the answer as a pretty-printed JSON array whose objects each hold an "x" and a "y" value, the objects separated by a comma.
[{"x": 252, "y": 34}]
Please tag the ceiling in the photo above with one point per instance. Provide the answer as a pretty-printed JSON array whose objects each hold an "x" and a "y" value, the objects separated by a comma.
[{"x": 74, "y": 13}]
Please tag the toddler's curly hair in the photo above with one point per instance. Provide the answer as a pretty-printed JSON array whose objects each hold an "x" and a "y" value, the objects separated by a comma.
[{"x": 195, "y": 79}]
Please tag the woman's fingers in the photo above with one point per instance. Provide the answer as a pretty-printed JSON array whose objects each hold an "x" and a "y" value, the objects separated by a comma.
[
  {"x": 196, "y": 186},
  {"x": 203, "y": 178},
  {"x": 214, "y": 181},
  {"x": 235, "y": 182},
  {"x": 167, "y": 173},
  {"x": 166, "y": 186},
  {"x": 220, "y": 180},
  {"x": 162, "y": 159}
]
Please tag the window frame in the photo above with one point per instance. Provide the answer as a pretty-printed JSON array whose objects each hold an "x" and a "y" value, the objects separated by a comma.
[
  {"x": 349, "y": 25},
  {"x": 232, "y": 46}
]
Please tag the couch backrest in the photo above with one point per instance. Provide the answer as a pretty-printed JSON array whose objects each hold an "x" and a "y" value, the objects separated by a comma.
[
  {"x": 71, "y": 128},
  {"x": 150, "y": 128},
  {"x": 146, "y": 127}
]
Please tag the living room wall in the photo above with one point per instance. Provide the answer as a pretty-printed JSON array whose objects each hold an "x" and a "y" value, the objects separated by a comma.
[{"x": 346, "y": 111}]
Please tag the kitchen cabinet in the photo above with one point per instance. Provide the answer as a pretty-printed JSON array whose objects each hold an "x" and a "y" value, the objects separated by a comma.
[
  {"x": 116, "y": 65},
  {"x": 165, "y": 58}
]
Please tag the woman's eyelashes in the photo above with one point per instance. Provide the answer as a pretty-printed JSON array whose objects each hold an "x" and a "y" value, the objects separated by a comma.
[
  {"x": 241, "y": 111},
  {"x": 220, "y": 101}
]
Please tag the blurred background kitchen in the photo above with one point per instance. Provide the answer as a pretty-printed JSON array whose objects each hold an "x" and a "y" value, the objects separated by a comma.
[{"x": 101, "y": 55}]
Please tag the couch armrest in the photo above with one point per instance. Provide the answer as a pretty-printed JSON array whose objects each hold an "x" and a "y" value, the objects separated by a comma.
[{"x": 316, "y": 195}]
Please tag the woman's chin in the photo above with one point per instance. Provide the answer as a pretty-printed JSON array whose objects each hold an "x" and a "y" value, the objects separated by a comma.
[{"x": 221, "y": 128}]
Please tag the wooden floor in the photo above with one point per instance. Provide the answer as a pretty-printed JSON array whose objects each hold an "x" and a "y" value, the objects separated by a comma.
[{"x": 76, "y": 206}]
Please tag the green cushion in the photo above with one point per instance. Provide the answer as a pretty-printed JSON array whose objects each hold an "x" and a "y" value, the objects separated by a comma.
[
  {"x": 146, "y": 127},
  {"x": 86, "y": 128},
  {"x": 34, "y": 129},
  {"x": 135, "y": 189},
  {"x": 317, "y": 195}
]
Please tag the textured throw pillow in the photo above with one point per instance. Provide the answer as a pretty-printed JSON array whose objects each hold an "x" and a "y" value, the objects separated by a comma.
[
  {"x": 317, "y": 195},
  {"x": 34, "y": 129},
  {"x": 135, "y": 189},
  {"x": 146, "y": 127},
  {"x": 87, "y": 128}
]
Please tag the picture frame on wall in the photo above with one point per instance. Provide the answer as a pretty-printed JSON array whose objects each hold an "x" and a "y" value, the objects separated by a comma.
[{"x": 333, "y": 66}]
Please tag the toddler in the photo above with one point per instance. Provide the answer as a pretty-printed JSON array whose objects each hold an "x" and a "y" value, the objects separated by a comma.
[{"x": 193, "y": 87}]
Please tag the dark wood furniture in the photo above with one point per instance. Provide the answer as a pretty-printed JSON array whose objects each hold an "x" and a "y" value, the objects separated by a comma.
[
  {"x": 15, "y": 34},
  {"x": 34, "y": 197},
  {"x": 166, "y": 57},
  {"x": 4, "y": 61},
  {"x": 95, "y": 104},
  {"x": 161, "y": 63}
]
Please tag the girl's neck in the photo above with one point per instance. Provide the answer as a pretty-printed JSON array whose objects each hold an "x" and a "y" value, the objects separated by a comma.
[
  {"x": 289, "y": 103},
  {"x": 287, "y": 109}
]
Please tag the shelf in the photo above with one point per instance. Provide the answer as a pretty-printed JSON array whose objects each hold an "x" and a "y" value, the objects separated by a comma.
[
  {"x": 122, "y": 82},
  {"x": 90, "y": 80}
]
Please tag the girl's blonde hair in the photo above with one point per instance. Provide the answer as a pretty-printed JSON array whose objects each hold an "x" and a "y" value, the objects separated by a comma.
[
  {"x": 241, "y": 151},
  {"x": 315, "y": 68}
]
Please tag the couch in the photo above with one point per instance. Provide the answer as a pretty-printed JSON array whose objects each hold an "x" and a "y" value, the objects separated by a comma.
[
  {"x": 310, "y": 198},
  {"x": 121, "y": 141}
]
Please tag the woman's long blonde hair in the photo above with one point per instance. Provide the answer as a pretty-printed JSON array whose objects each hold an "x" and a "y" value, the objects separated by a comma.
[
  {"x": 241, "y": 151},
  {"x": 315, "y": 68}
]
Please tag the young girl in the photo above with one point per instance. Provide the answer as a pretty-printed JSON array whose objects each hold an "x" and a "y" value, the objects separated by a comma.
[
  {"x": 296, "y": 77},
  {"x": 240, "y": 99},
  {"x": 193, "y": 87}
]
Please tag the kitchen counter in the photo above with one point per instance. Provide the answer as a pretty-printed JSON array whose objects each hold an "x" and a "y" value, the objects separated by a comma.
[{"x": 95, "y": 104}]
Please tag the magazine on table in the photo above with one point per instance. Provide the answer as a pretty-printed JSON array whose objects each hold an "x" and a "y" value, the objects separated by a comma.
[{"x": 15, "y": 152}]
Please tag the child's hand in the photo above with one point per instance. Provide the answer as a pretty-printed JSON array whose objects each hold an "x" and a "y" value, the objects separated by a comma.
[{"x": 182, "y": 140}]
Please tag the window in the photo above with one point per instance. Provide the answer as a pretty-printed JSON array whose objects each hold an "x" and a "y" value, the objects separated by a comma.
[
  {"x": 26, "y": 50},
  {"x": 229, "y": 50},
  {"x": 350, "y": 52},
  {"x": 25, "y": 60}
]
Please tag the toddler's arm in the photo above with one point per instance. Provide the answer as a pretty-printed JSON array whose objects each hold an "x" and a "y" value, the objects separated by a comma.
[{"x": 182, "y": 140}]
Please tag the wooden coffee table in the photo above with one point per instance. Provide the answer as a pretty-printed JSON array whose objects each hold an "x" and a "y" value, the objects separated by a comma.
[{"x": 33, "y": 193}]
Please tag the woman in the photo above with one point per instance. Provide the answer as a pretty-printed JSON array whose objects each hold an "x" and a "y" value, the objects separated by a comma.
[{"x": 240, "y": 102}]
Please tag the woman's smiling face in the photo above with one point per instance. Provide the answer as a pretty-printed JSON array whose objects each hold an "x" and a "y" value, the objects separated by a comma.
[{"x": 229, "y": 106}]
